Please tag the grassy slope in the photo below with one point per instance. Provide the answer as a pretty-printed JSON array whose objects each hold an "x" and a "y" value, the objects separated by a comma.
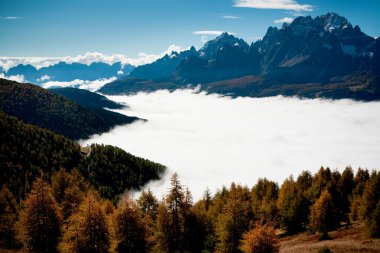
[{"x": 344, "y": 240}]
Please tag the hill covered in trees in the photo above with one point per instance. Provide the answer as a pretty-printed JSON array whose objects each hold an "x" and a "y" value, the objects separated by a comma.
[
  {"x": 28, "y": 151},
  {"x": 87, "y": 98},
  {"x": 236, "y": 219},
  {"x": 37, "y": 106}
]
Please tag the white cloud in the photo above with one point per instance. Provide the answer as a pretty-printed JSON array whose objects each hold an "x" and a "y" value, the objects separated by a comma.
[
  {"x": 81, "y": 84},
  {"x": 283, "y": 20},
  {"x": 43, "y": 78},
  {"x": 87, "y": 58},
  {"x": 231, "y": 17},
  {"x": 273, "y": 4},
  {"x": 209, "y": 32},
  {"x": 211, "y": 140},
  {"x": 10, "y": 17},
  {"x": 17, "y": 78}
]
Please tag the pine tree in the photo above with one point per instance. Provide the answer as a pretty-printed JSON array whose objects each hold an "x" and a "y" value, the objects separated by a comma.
[
  {"x": 322, "y": 215},
  {"x": 292, "y": 206},
  {"x": 87, "y": 228},
  {"x": 148, "y": 204},
  {"x": 234, "y": 220},
  {"x": 40, "y": 219},
  {"x": 128, "y": 228}
]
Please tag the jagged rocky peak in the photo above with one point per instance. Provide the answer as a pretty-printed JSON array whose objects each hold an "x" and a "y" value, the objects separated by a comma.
[
  {"x": 222, "y": 42},
  {"x": 332, "y": 21}
]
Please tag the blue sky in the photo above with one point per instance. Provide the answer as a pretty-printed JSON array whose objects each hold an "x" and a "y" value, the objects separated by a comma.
[{"x": 57, "y": 28}]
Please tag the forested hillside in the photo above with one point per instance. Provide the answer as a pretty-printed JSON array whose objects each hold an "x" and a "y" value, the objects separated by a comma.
[
  {"x": 29, "y": 151},
  {"x": 86, "y": 98},
  {"x": 111, "y": 170},
  {"x": 235, "y": 219},
  {"x": 41, "y": 107}
]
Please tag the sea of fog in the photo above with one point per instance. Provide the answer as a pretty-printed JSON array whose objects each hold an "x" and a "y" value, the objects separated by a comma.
[{"x": 212, "y": 141}]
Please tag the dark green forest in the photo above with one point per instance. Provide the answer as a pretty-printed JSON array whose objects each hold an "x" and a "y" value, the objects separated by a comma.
[
  {"x": 37, "y": 106},
  {"x": 86, "y": 98},
  {"x": 28, "y": 151}
]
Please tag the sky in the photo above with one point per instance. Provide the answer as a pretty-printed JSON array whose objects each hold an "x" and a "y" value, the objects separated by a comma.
[
  {"x": 212, "y": 141},
  {"x": 135, "y": 28}
]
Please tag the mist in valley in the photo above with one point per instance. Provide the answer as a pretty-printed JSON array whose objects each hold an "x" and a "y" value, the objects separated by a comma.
[{"x": 210, "y": 140}]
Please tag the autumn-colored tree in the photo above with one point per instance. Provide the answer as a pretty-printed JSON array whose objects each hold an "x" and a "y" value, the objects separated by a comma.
[
  {"x": 360, "y": 180},
  {"x": 322, "y": 215},
  {"x": 171, "y": 218},
  {"x": 369, "y": 204},
  {"x": 292, "y": 206},
  {"x": 163, "y": 229},
  {"x": 261, "y": 239},
  {"x": 264, "y": 200},
  {"x": 321, "y": 181},
  {"x": 87, "y": 228},
  {"x": 8, "y": 217},
  {"x": 128, "y": 228},
  {"x": 234, "y": 220},
  {"x": 345, "y": 187},
  {"x": 148, "y": 204},
  {"x": 69, "y": 190},
  {"x": 40, "y": 219}
]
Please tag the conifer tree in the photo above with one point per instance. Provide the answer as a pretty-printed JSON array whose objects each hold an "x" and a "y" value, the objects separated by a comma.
[
  {"x": 234, "y": 220},
  {"x": 292, "y": 206},
  {"x": 40, "y": 219},
  {"x": 87, "y": 228},
  {"x": 128, "y": 228},
  {"x": 322, "y": 215}
]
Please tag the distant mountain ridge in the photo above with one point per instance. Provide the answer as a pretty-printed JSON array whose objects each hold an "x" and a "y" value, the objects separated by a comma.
[
  {"x": 323, "y": 56},
  {"x": 65, "y": 72}
]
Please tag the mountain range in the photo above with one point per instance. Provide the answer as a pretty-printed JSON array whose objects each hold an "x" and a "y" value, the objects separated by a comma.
[
  {"x": 65, "y": 72},
  {"x": 325, "y": 56}
]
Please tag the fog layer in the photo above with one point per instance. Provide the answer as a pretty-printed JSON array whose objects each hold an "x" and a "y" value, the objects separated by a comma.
[{"x": 212, "y": 141}]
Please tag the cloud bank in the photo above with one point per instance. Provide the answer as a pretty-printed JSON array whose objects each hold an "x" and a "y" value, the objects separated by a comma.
[
  {"x": 283, "y": 20},
  {"x": 87, "y": 58},
  {"x": 273, "y": 4},
  {"x": 211, "y": 141},
  {"x": 81, "y": 84},
  {"x": 17, "y": 78}
]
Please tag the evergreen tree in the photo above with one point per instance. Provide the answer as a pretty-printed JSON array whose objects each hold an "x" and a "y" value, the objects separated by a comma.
[
  {"x": 148, "y": 204},
  {"x": 264, "y": 200},
  {"x": 322, "y": 216},
  {"x": 40, "y": 219},
  {"x": 128, "y": 228},
  {"x": 292, "y": 206},
  {"x": 68, "y": 189},
  {"x": 234, "y": 220},
  {"x": 87, "y": 230}
]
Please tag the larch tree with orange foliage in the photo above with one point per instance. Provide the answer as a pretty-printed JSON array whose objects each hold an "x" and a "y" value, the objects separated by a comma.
[
  {"x": 40, "y": 220},
  {"x": 87, "y": 228}
]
